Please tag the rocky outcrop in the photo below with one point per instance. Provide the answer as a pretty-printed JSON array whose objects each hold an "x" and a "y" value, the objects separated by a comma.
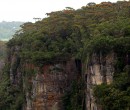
[
  {"x": 49, "y": 86},
  {"x": 43, "y": 86},
  {"x": 14, "y": 61},
  {"x": 99, "y": 70}
]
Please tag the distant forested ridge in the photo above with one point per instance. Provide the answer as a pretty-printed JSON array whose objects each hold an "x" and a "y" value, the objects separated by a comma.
[{"x": 7, "y": 29}]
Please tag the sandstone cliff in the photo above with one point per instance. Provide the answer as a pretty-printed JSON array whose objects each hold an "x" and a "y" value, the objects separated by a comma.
[
  {"x": 43, "y": 86},
  {"x": 71, "y": 60},
  {"x": 100, "y": 69}
]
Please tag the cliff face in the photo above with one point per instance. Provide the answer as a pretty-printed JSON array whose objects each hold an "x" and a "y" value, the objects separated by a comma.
[
  {"x": 100, "y": 69},
  {"x": 45, "y": 68},
  {"x": 43, "y": 86},
  {"x": 49, "y": 85},
  {"x": 46, "y": 57}
]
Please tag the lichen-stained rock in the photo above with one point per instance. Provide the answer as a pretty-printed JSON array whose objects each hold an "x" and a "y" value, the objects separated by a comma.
[
  {"x": 14, "y": 61},
  {"x": 43, "y": 87},
  {"x": 99, "y": 70},
  {"x": 49, "y": 86}
]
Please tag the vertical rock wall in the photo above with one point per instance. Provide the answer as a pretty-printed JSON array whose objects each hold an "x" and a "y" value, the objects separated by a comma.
[
  {"x": 44, "y": 88},
  {"x": 99, "y": 70},
  {"x": 49, "y": 85},
  {"x": 14, "y": 61}
]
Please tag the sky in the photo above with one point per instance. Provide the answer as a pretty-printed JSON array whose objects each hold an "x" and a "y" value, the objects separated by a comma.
[{"x": 26, "y": 10}]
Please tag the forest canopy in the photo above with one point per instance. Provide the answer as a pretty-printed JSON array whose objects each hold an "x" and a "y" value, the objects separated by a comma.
[{"x": 70, "y": 33}]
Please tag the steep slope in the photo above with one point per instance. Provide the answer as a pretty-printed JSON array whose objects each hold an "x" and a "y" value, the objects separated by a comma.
[
  {"x": 71, "y": 60},
  {"x": 2, "y": 53}
]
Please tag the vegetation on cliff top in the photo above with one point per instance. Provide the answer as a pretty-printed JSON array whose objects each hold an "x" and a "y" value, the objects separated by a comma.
[
  {"x": 69, "y": 33},
  {"x": 75, "y": 34}
]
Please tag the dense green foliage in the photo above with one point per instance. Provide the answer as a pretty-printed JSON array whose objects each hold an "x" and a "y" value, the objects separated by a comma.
[
  {"x": 70, "y": 33},
  {"x": 8, "y": 29},
  {"x": 115, "y": 96},
  {"x": 2, "y": 50},
  {"x": 77, "y": 34},
  {"x": 74, "y": 99},
  {"x": 11, "y": 97}
]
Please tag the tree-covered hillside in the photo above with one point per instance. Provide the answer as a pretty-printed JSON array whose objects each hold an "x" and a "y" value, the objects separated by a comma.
[
  {"x": 95, "y": 28},
  {"x": 70, "y": 33},
  {"x": 8, "y": 29},
  {"x": 2, "y": 49}
]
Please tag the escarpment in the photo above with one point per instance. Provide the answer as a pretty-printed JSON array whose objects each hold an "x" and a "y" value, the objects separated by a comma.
[
  {"x": 100, "y": 69},
  {"x": 43, "y": 86},
  {"x": 49, "y": 85},
  {"x": 71, "y": 60}
]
